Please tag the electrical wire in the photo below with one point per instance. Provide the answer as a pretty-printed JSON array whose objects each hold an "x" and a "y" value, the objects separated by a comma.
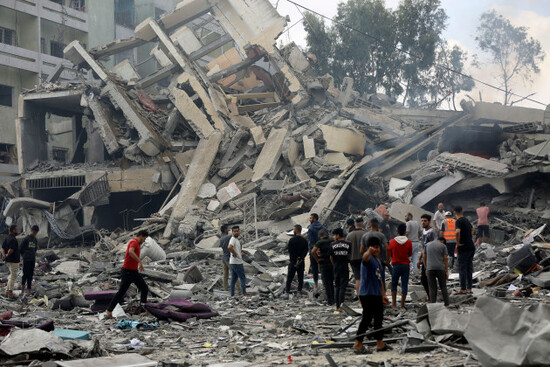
[{"x": 414, "y": 55}]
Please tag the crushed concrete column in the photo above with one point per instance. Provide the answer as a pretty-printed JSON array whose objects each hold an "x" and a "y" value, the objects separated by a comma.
[
  {"x": 101, "y": 117},
  {"x": 78, "y": 55},
  {"x": 149, "y": 29},
  {"x": 270, "y": 154},
  {"x": 196, "y": 175},
  {"x": 150, "y": 142}
]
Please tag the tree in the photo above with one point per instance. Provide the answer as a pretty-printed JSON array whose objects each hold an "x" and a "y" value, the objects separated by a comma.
[
  {"x": 515, "y": 54},
  {"x": 383, "y": 50}
]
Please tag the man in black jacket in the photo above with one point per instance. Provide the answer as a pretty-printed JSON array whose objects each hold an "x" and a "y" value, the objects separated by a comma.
[
  {"x": 10, "y": 254},
  {"x": 297, "y": 251},
  {"x": 28, "y": 249}
]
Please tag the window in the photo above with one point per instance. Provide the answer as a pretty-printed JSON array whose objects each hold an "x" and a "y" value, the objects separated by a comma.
[
  {"x": 60, "y": 2},
  {"x": 124, "y": 13},
  {"x": 79, "y": 5},
  {"x": 6, "y": 95},
  {"x": 43, "y": 48},
  {"x": 60, "y": 154},
  {"x": 56, "y": 48},
  {"x": 7, "y": 36}
]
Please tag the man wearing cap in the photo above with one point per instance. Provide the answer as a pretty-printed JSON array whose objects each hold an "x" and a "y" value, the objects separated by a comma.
[
  {"x": 28, "y": 249},
  {"x": 448, "y": 231}
]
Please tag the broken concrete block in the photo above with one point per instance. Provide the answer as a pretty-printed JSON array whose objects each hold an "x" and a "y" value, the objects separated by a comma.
[
  {"x": 240, "y": 178},
  {"x": 291, "y": 150},
  {"x": 539, "y": 150},
  {"x": 397, "y": 187},
  {"x": 192, "y": 114},
  {"x": 491, "y": 112},
  {"x": 258, "y": 135},
  {"x": 186, "y": 39},
  {"x": 327, "y": 197},
  {"x": 105, "y": 125},
  {"x": 309, "y": 147},
  {"x": 439, "y": 187},
  {"x": 161, "y": 57},
  {"x": 297, "y": 59},
  {"x": 213, "y": 205},
  {"x": 228, "y": 193},
  {"x": 207, "y": 190},
  {"x": 150, "y": 248},
  {"x": 149, "y": 29},
  {"x": 191, "y": 83},
  {"x": 344, "y": 140},
  {"x": 210, "y": 242},
  {"x": 301, "y": 173},
  {"x": 286, "y": 212},
  {"x": 193, "y": 275},
  {"x": 337, "y": 159},
  {"x": 272, "y": 186},
  {"x": 470, "y": 163},
  {"x": 78, "y": 55},
  {"x": 126, "y": 71},
  {"x": 270, "y": 154}
]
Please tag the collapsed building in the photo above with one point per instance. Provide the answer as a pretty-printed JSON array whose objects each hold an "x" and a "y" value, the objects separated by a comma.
[{"x": 253, "y": 137}]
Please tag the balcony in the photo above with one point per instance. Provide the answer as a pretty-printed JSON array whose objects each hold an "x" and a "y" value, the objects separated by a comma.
[{"x": 21, "y": 58}]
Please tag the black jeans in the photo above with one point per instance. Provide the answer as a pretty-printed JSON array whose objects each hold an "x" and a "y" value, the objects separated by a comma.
[
  {"x": 341, "y": 280},
  {"x": 292, "y": 269},
  {"x": 129, "y": 277},
  {"x": 424, "y": 280},
  {"x": 313, "y": 268},
  {"x": 451, "y": 252},
  {"x": 28, "y": 273},
  {"x": 373, "y": 308},
  {"x": 466, "y": 268},
  {"x": 327, "y": 276},
  {"x": 434, "y": 277}
]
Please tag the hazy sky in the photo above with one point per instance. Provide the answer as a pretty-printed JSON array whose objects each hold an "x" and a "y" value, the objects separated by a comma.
[{"x": 461, "y": 28}]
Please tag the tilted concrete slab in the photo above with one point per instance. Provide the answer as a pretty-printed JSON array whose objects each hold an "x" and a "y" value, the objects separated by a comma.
[
  {"x": 186, "y": 39},
  {"x": 309, "y": 147},
  {"x": 150, "y": 29},
  {"x": 134, "y": 180},
  {"x": 343, "y": 140},
  {"x": 270, "y": 153},
  {"x": 491, "y": 112},
  {"x": 398, "y": 210},
  {"x": 203, "y": 94},
  {"x": 474, "y": 164},
  {"x": 539, "y": 150},
  {"x": 192, "y": 114},
  {"x": 104, "y": 125},
  {"x": 330, "y": 192},
  {"x": 78, "y": 55},
  {"x": 126, "y": 71},
  {"x": 198, "y": 172},
  {"x": 258, "y": 135},
  {"x": 439, "y": 187},
  {"x": 150, "y": 142},
  {"x": 291, "y": 151},
  {"x": 185, "y": 12}
]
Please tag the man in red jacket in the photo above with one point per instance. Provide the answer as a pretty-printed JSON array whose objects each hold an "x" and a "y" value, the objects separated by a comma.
[
  {"x": 400, "y": 250},
  {"x": 130, "y": 273}
]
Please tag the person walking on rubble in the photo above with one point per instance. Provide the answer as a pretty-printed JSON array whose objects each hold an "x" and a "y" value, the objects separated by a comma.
[
  {"x": 297, "y": 250},
  {"x": 339, "y": 256},
  {"x": 483, "y": 233},
  {"x": 400, "y": 251},
  {"x": 321, "y": 254},
  {"x": 10, "y": 254},
  {"x": 437, "y": 266},
  {"x": 354, "y": 237},
  {"x": 428, "y": 235},
  {"x": 130, "y": 274},
  {"x": 373, "y": 297},
  {"x": 374, "y": 232},
  {"x": 465, "y": 249},
  {"x": 236, "y": 261},
  {"x": 448, "y": 232},
  {"x": 439, "y": 217},
  {"x": 28, "y": 249},
  {"x": 224, "y": 243},
  {"x": 413, "y": 233},
  {"x": 313, "y": 237}
]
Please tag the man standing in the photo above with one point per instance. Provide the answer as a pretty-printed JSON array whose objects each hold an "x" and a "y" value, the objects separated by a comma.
[
  {"x": 385, "y": 227},
  {"x": 449, "y": 233},
  {"x": 313, "y": 237},
  {"x": 130, "y": 274},
  {"x": 465, "y": 249},
  {"x": 428, "y": 235},
  {"x": 236, "y": 261},
  {"x": 354, "y": 238},
  {"x": 224, "y": 243},
  {"x": 439, "y": 217},
  {"x": 400, "y": 251},
  {"x": 350, "y": 226},
  {"x": 373, "y": 297},
  {"x": 437, "y": 265},
  {"x": 10, "y": 254},
  {"x": 28, "y": 252},
  {"x": 375, "y": 232},
  {"x": 297, "y": 251},
  {"x": 413, "y": 233},
  {"x": 321, "y": 254},
  {"x": 339, "y": 256},
  {"x": 483, "y": 223}
]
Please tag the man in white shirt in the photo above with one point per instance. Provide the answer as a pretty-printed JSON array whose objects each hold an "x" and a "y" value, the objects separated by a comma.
[
  {"x": 439, "y": 218},
  {"x": 236, "y": 262}
]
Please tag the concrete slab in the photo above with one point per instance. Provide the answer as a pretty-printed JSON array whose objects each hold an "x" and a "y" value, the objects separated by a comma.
[
  {"x": 192, "y": 114},
  {"x": 338, "y": 159},
  {"x": 270, "y": 154},
  {"x": 227, "y": 193},
  {"x": 397, "y": 187},
  {"x": 126, "y": 71},
  {"x": 439, "y": 187},
  {"x": 105, "y": 125},
  {"x": 343, "y": 140},
  {"x": 291, "y": 151},
  {"x": 191, "y": 81},
  {"x": 539, "y": 150},
  {"x": 493, "y": 112},
  {"x": 309, "y": 147},
  {"x": 330, "y": 192},
  {"x": 474, "y": 164},
  {"x": 149, "y": 29},
  {"x": 240, "y": 178},
  {"x": 258, "y": 135},
  {"x": 398, "y": 211},
  {"x": 301, "y": 173},
  {"x": 186, "y": 39},
  {"x": 78, "y": 55}
]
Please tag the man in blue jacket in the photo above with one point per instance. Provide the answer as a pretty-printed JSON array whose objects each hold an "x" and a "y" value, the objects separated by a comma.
[{"x": 313, "y": 237}]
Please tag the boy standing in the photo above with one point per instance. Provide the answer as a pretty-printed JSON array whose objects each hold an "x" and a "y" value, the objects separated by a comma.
[
  {"x": 321, "y": 254},
  {"x": 372, "y": 295},
  {"x": 28, "y": 252}
]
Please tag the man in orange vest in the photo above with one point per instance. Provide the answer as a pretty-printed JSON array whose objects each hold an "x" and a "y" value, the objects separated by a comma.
[{"x": 448, "y": 231}]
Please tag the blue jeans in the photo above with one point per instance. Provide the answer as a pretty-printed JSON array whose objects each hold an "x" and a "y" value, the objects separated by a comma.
[
  {"x": 400, "y": 271},
  {"x": 414, "y": 257},
  {"x": 237, "y": 271},
  {"x": 466, "y": 268}
]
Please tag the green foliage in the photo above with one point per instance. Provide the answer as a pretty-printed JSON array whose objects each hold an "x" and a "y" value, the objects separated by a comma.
[
  {"x": 513, "y": 52},
  {"x": 383, "y": 50}
]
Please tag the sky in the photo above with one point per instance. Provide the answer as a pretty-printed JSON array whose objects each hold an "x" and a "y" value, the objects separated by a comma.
[{"x": 461, "y": 29}]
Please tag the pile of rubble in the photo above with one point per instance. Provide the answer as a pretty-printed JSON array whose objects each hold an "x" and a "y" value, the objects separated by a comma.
[{"x": 254, "y": 137}]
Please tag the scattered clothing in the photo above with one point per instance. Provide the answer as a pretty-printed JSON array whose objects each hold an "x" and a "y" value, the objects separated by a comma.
[
  {"x": 131, "y": 324},
  {"x": 179, "y": 309}
]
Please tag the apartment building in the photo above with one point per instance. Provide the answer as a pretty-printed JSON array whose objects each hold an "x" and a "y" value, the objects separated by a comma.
[{"x": 33, "y": 34}]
